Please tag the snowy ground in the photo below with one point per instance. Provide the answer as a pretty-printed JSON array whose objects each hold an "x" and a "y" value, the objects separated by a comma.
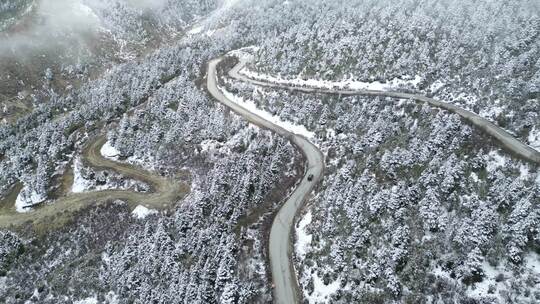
[
  {"x": 141, "y": 212},
  {"x": 497, "y": 280},
  {"x": 496, "y": 160},
  {"x": 114, "y": 181},
  {"x": 252, "y": 107},
  {"x": 81, "y": 184},
  {"x": 3, "y": 284},
  {"x": 532, "y": 260},
  {"x": 350, "y": 84},
  {"x": 207, "y": 25},
  {"x": 303, "y": 239},
  {"x": 321, "y": 292},
  {"x": 489, "y": 287},
  {"x": 534, "y": 138},
  {"x": 27, "y": 198},
  {"x": 109, "y": 151},
  {"x": 90, "y": 300},
  {"x": 110, "y": 298}
]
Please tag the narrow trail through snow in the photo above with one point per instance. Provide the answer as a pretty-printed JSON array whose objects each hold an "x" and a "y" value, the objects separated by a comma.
[{"x": 164, "y": 191}]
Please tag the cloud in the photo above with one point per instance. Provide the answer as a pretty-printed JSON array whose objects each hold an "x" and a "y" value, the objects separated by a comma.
[
  {"x": 147, "y": 4},
  {"x": 52, "y": 23},
  {"x": 68, "y": 14},
  {"x": 64, "y": 25}
]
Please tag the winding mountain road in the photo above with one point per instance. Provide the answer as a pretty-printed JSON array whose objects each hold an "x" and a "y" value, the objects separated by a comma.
[
  {"x": 286, "y": 286},
  {"x": 507, "y": 140},
  {"x": 163, "y": 191}
]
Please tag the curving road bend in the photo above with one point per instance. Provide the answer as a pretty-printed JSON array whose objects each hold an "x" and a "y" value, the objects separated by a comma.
[
  {"x": 285, "y": 284},
  {"x": 507, "y": 140},
  {"x": 163, "y": 191}
]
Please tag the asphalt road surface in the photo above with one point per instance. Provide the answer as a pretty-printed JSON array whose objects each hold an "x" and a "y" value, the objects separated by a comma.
[
  {"x": 286, "y": 286},
  {"x": 507, "y": 140},
  {"x": 284, "y": 279}
]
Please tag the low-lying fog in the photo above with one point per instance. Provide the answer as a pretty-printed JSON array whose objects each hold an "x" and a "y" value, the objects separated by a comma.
[
  {"x": 55, "y": 22},
  {"x": 61, "y": 34}
]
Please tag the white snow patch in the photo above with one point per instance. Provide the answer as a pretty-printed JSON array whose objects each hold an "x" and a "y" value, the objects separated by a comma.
[
  {"x": 532, "y": 262},
  {"x": 303, "y": 238},
  {"x": 330, "y": 133},
  {"x": 35, "y": 294},
  {"x": 90, "y": 300},
  {"x": 252, "y": 107},
  {"x": 111, "y": 298},
  {"x": 436, "y": 85},
  {"x": 463, "y": 98},
  {"x": 108, "y": 151},
  {"x": 141, "y": 161},
  {"x": 80, "y": 184},
  {"x": 83, "y": 10},
  {"x": 209, "y": 20},
  {"x": 199, "y": 29},
  {"x": 492, "y": 113},
  {"x": 123, "y": 52},
  {"x": 3, "y": 285},
  {"x": 411, "y": 82},
  {"x": 229, "y": 3},
  {"x": 495, "y": 161},
  {"x": 534, "y": 138},
  {"x": 28, "y": 198},
  {"x": 497, "y": 280},
  {"x": 256, "y": 264},
  {"x": 524, "y": 172},
  {"x": 245, "y": 52},
  {"x": 105, "y": 258},
  {"x": 214, "y": 147},
  {"x": 195, "y": 30},
  {"x": 321, "y": 292},
  {"x": 141, "y": 212},
  {"x": 209, "y": 145},
  {"x": 481, "y": 289}
]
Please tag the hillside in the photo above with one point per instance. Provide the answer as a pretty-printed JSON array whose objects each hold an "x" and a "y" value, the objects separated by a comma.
[{"x": 299, "y": 151}]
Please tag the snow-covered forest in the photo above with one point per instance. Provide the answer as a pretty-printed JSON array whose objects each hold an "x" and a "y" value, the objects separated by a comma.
[
  {"x": 208, "y": 243},
  {"x": 484, "y": 56},
  {"x": 411, "y": 207},
  {"x": 416, "y": 205}
]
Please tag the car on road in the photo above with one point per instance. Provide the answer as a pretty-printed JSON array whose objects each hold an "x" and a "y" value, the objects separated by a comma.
[{"x": 310, "y": 177}]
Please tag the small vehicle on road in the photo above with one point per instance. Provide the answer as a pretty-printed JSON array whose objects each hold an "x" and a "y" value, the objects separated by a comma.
[{"x": 310, "y": 177}]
